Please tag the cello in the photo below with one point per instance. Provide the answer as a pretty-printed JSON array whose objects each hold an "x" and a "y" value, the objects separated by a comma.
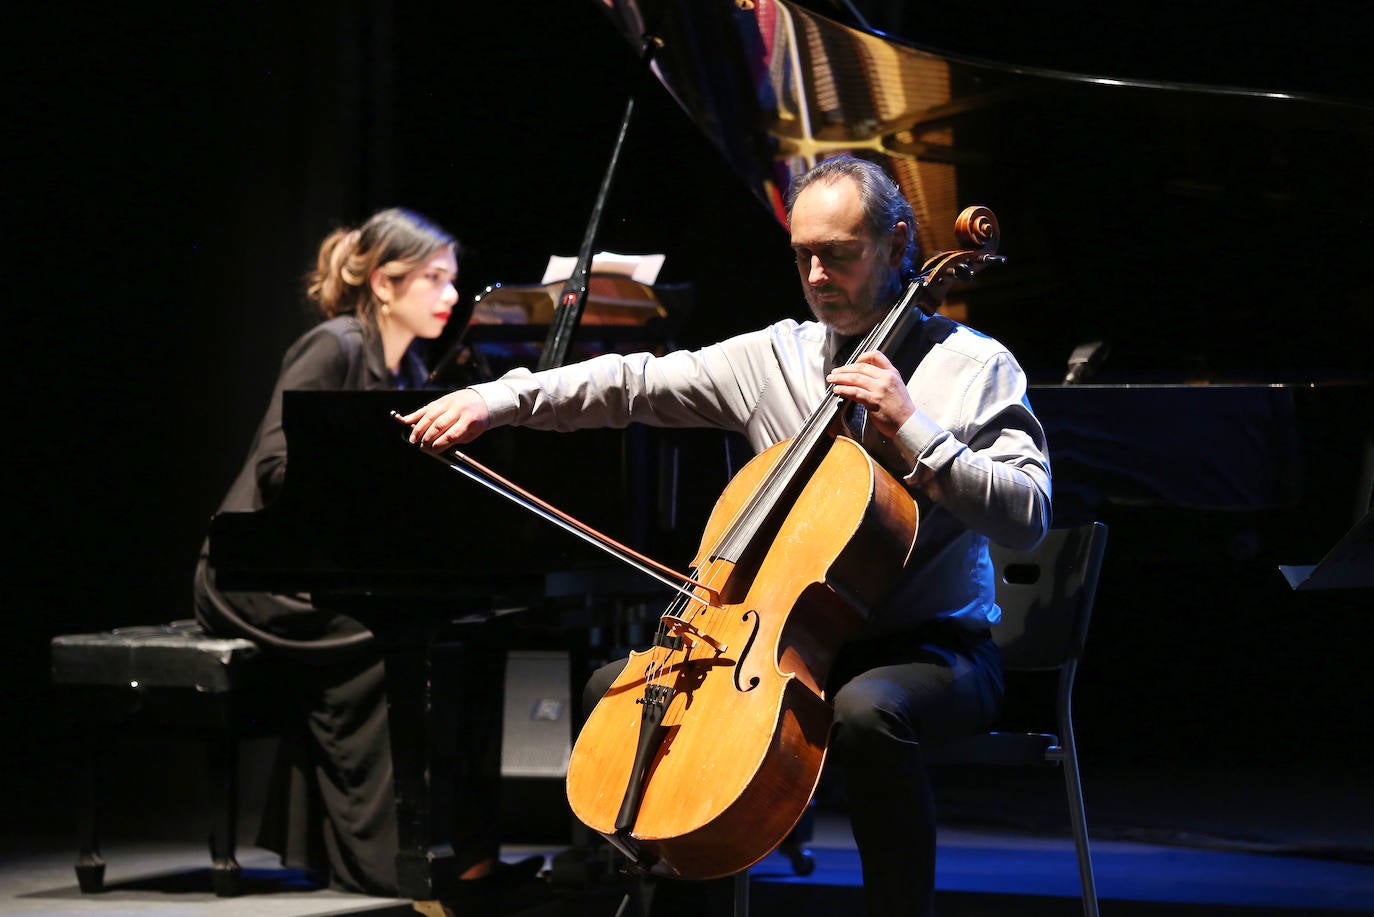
[{"x": 706, "y": 749}]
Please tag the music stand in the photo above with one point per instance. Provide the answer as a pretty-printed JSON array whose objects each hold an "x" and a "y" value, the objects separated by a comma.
[{"x": 1348, "y": 565}]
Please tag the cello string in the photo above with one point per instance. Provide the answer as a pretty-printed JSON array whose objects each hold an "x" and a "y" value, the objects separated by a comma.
[
  {"x": 662, "y": 664},
  {"x": 670, "y": 658},
  {"x": 656, "y": 665},
  {"x": 749, "y": 517},
  {"x": 803, "y": 445},
  {"x": 659, "y": 662}
]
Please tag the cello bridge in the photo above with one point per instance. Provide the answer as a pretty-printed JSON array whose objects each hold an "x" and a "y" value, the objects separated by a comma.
[{"x": 688, "y": 633}]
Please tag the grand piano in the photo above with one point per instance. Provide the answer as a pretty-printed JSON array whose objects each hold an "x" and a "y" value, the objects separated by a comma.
[
  {"x": 1208, "y": 244},
  {"x": 421, "y": 555},
  {"x": 1185, "y": 280}
]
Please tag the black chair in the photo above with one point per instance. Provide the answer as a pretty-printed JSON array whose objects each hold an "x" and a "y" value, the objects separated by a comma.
[
  {"x": 163, "y": 680},
  {"x": 1046, "y": 596}
]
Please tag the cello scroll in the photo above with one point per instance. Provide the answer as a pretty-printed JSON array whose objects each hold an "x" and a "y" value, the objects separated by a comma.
[{"x": 977, "y": 233}]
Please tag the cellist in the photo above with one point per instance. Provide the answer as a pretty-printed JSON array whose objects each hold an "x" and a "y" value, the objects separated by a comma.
[{"x": 947, "y": 414}]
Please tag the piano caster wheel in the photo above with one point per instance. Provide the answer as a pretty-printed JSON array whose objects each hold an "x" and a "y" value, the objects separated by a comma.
[
  {"x": 90, "y": 873},
  {"x": 224, "y": 877},
  {"x": 803, "y": 863}
]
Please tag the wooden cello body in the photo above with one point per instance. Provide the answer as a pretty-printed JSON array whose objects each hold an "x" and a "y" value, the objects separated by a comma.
[
  {"x": 707, "y": 747},
  {"x": 742, "y": 735}
]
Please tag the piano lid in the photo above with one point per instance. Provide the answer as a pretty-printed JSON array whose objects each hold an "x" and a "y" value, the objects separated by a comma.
[
  {"x": 385, "y": 520},
  {"x": 1233, "y": 224}
]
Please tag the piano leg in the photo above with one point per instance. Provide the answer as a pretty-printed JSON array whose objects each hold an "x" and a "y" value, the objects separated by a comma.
[{"x": 424, "y": 869}]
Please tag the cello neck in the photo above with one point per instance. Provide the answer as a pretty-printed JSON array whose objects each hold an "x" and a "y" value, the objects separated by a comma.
[
  {"x": 976, "y": 229},
  {"x": 805, "y": 450}
]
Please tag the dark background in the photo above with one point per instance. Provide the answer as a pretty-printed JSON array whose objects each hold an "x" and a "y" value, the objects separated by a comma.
[{"x": 168, "y": 178}]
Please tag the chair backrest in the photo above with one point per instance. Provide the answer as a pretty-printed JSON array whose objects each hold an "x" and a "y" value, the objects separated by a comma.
[{"x": 1046, "y": 596}]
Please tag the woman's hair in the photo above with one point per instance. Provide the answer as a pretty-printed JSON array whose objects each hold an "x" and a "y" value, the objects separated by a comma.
[
  {"x": 397, "y": 241},
  {"x": 882, "y": 200}
]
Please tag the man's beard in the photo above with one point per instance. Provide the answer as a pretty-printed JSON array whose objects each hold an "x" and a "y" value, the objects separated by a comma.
[{"x": 854, "y": 315}]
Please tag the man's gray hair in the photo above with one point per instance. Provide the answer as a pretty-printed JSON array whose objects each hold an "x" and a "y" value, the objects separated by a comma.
[{"x": 881, "y": 198}]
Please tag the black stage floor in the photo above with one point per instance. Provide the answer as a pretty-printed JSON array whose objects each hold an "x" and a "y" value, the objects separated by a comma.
[
  {"x": 980, "y": 872},
  {"x": 1164, "y": 845}
]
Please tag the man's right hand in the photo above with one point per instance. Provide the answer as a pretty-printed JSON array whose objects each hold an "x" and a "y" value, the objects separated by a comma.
[{"x": 458, "y": 417}]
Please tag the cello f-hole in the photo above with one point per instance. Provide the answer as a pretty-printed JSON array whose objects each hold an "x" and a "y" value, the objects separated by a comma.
[{"x": 744, "y": 654}]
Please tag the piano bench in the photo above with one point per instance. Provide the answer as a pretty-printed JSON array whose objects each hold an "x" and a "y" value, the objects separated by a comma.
[{"x": 171, "y": 680}]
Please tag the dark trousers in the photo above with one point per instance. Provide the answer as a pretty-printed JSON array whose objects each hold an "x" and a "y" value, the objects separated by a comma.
[{"x": 891, "y": 695}]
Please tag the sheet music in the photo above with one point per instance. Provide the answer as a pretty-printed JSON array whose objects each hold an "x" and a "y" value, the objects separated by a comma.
[{"x": 641, "y": 268}]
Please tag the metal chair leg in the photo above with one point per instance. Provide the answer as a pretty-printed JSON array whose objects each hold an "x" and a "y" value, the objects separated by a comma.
[
  {"x": 742, "y": 893},
  {"x": 1078, "y": 820},
  {"x": 638, "y": 898}
]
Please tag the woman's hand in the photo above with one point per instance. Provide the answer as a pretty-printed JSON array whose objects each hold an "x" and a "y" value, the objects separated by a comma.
[
  {"x": 458, "y": 417},
  {"x": 875, "y": 383}
]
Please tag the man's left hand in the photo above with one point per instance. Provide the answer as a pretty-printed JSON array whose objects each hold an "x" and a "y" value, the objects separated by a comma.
[{"x": 875, "y": 383}]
